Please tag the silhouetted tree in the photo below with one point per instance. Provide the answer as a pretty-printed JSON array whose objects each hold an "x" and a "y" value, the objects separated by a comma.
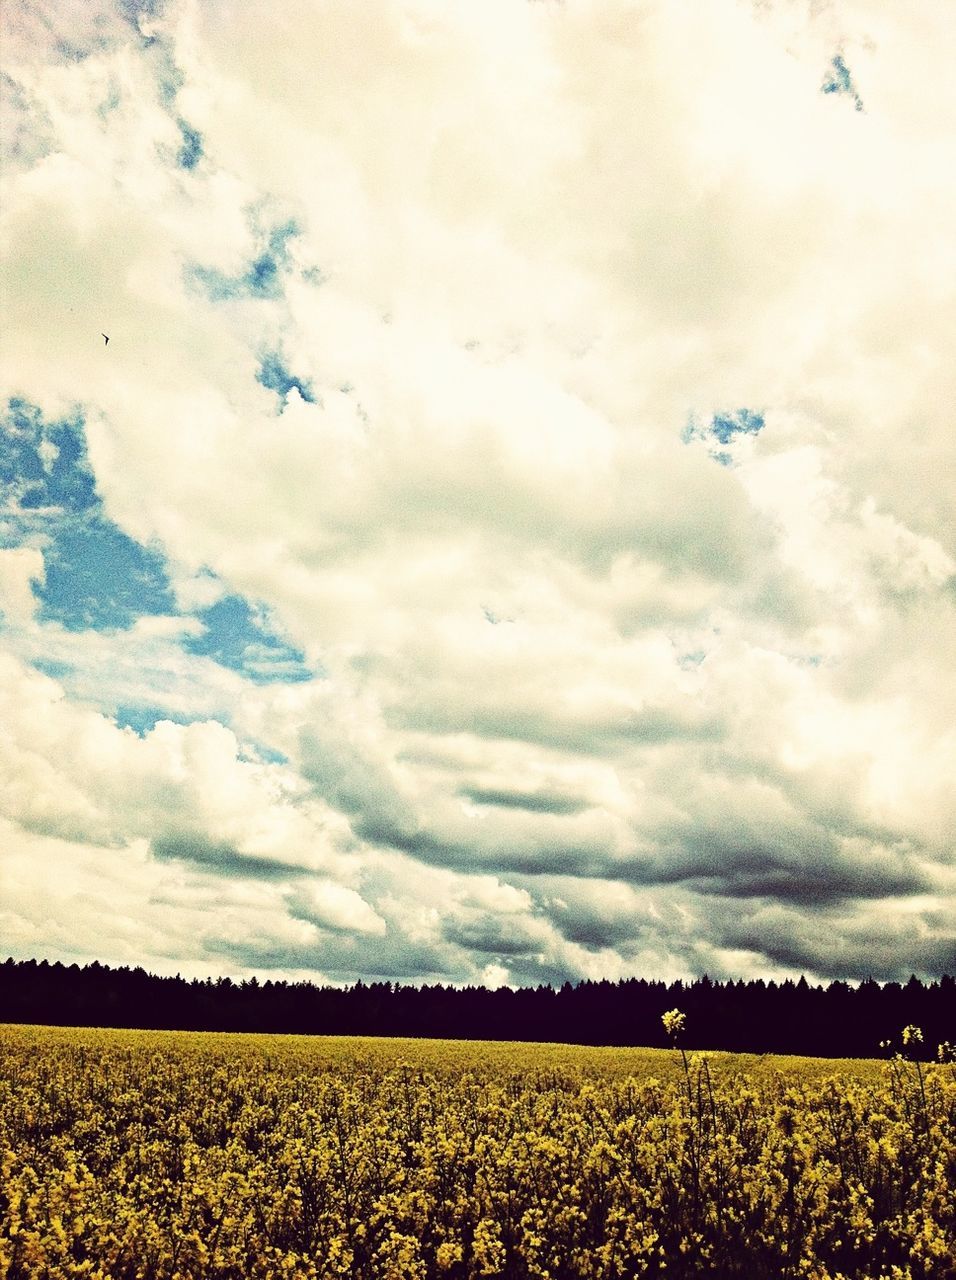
[{"x": 755, "y": 1016}]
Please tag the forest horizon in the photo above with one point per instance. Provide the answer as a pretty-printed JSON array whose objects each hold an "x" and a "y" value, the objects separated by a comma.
[{"x": 752, "y": 1016}]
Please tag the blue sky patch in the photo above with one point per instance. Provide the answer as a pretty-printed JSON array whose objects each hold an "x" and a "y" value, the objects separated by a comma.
[
  {"x": 241, "y": 639},
  {"x": 215, "y": 284},
  {"x": 722, "y": 430},
  {"x": 109, "y": 103},
  {"x": 261, "y": 279},
  {"x": 688, "y": 661},
  {"x": 52, "y": 668},
  {"x": 169, "y": 78},
  {"x": 274, "y": 375},
  {"x": 143, "y": 719},
  {"x": 134, "y": 10},
  {"x": 96, "y": 575},
  {"x": 259, "y": 753},
  {"x": 44, "y": 465},
  {"x": 724, "y": 426},
  {"x": 190, "y": 153},
  {"x": 838, "y": 80}
]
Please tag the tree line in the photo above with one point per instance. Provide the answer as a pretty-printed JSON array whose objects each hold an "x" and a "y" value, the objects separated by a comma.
[{"x": 835, "y": 1020}]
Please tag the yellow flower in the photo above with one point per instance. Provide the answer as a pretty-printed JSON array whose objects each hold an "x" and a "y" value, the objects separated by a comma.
[
  {"x": 674, "y": 1022},
  {"x": 447, "y": 1254}
]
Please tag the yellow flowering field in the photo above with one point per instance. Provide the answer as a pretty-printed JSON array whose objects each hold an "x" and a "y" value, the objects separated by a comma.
[{"x": 140, "y": 1154}]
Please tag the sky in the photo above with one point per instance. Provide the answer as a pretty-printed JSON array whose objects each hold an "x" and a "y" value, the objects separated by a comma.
[{"x": 508, "y": 536}]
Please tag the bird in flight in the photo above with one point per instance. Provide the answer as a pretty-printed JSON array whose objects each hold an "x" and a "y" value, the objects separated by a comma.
[{"x": 106, "y": 339}]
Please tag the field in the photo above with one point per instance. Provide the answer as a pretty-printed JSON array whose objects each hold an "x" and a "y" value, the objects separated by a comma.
[{"x": 139, "y": 1154}]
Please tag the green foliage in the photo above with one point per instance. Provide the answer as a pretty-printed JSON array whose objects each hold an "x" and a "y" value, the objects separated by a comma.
[{"x": 165, "y": 1156}]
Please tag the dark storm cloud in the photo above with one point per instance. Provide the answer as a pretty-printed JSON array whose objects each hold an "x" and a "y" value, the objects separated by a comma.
[
  {"x": 596, "y": 734},
  {"x": 532, "y": 801},
  {"x": 491, "y": 934},
  {"x": 343, "y": 958},
  {"x": 502, "y": 855},
  {"x": 785, "y": 599},
  {"x": 596, "y": 928},
  {"x": 828, "y": 946},
  {"x": 533, "y": 970},
  {"x": 350, "y": 779},
  {"x": 808, "y": 874},
  {"x": 221, "y": 858},
  {"x": 798, "y": 862}
]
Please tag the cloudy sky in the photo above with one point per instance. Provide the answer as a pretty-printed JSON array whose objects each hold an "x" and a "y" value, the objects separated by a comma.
[{"x": 509, "y": 534}]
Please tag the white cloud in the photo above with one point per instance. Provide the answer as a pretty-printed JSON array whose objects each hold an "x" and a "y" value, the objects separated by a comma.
[
  {"x": 20, "y": 567},
  {"x": 333, "y": 906},
  {"x": 511, "y": 249}
]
